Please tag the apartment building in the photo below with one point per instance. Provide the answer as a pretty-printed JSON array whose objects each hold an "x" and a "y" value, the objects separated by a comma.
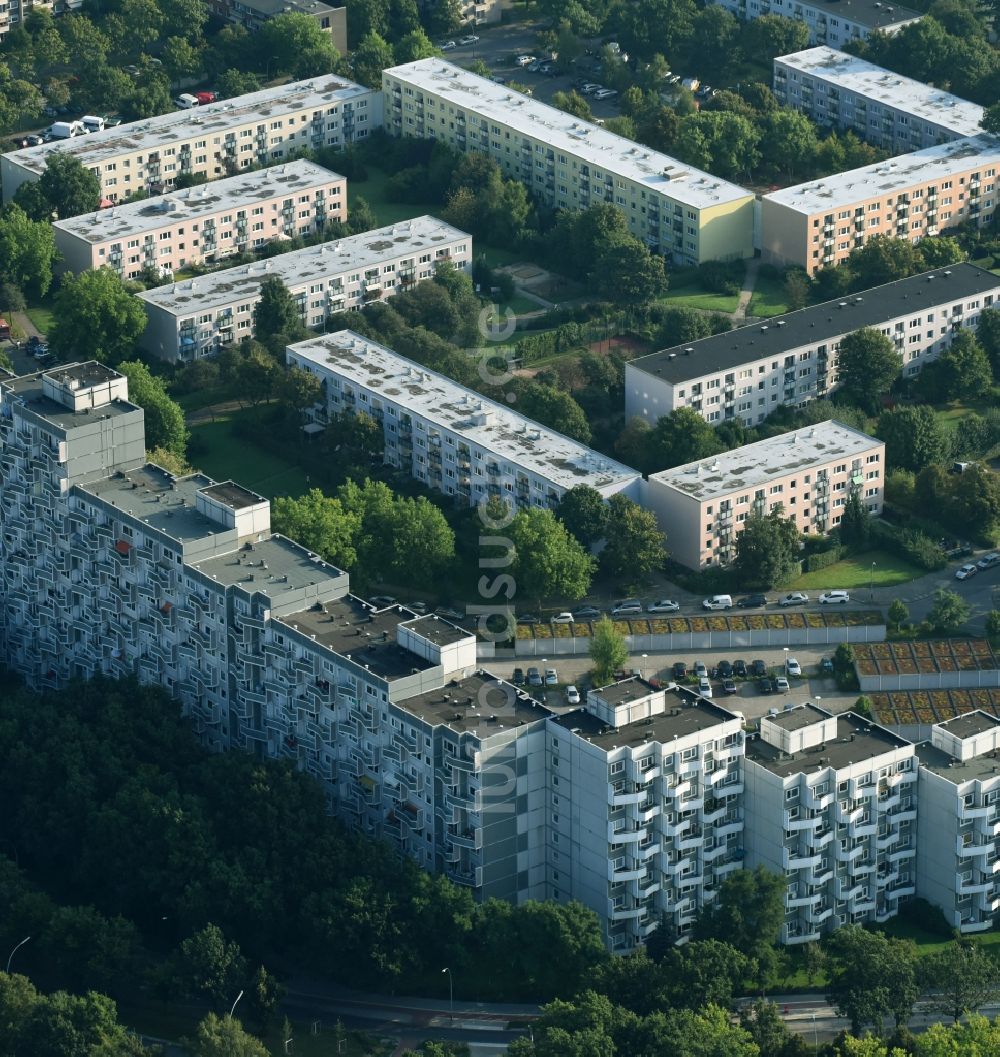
[
  {"x": 895, "y": 113},
  {"x": 829, "y": 21},
  {"x": 687, "y": 215},
  {"x": 644, "y": 807},
  {"x": 204, "y": 224},
  {"x": 196, "y": 317},
  {"x": 958, "y": 859},
  {"x": 748, "y": 373},
  {"x": 252, "y": 14},
  {"x": 481, "y": 12},
  {"x": 218, "y": 139},
  {"x": 14, "y": 12},
  {"x": 807, "y": 473},
  {"x": 450, "y": 437},
  {"x": 830, "y": 803},
  {"x": 817, "y": 224}
]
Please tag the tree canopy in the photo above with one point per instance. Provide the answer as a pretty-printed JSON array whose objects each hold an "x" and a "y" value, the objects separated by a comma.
[{"x": 96, "y": 318}]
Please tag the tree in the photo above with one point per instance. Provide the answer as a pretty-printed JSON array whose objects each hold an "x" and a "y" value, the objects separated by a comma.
[
  {"x": 796, "y": 289},
  {"x": 164, "y": 418},
  {"x": 224, "y": 1037},
  {"x": 256, "y": 374},
  {"x": 723, "y": 142},
  {"x": 150, "y": 96},
  {"x": 413, "y": 46},
  {"x": 27, "y": 251},
  {"x": 69, "y": 187},
  {"x": 628, "y": 273},
  {"x": 372, "y": 55},
  {"x": 442, "y": 17},
  {"x": 960, "y": 978},
  {"x": 748, "y": 912},
  {"x": 276, "y": 313},
  {"x": 89, "y": 950},
  {"x": 573, "y": 103},
  {"x": 991, "y": 119},
  {"x": 583, "y": 511},
  {"x": 883, "y": 259},
  {"x": 975, "y": 497},
  {"x": 635, "y": 544},
  {"x": 767, "y": 549},
  {"x": 914, "y": 437},
  {"x": 319, "y": 522},
  {"x": 965, "y": 368},
  {"x": 608, "y": 651},
  {"x": 855, "y": 523},
  {"x": 898, "y": 613},
  {"x": 867, "y": 366},
  {"x": 681, "y": 437},
  {"x": 870, "y": 976},
  {"x": 949, "y": 612},
  {"x": 555, "y": 409},
  {"x": 762, "y": 1020},
  {"x": 789, "y": 142},
  {"x": 361, "y": 217},
  {"x": 231, "y": 83},
  {"x": 11, "y": 298},
  {"x": 96, "y": 318},
  {"x": 183, "y": 18},
  {"x": 210, "y": 966},
  {"x": 704, "y": 972},
  {"x": 548, "y": 561},
  {"x": 988, "y": 335},
  {"x": 297, "y": 44},
  {"x": 772, "y": 35},
  {"x": 182, "y": 59}
]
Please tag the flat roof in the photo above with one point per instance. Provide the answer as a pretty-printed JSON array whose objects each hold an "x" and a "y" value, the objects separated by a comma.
[
  {"x": 857, "y": 740},
  {"x": 233, "y": 495},
  {"x": 813, "y": 326},
  {"x": 625, "y": 691},
  {"x": 451, "y": 406},
  {"x": 191, "y": 203},
  {"x": 686, "y": 713},
  {"x": 354, "y": 629},
  {"x": 27, "y": 389},
  {"x": 479, "y": 703},
  {"x": 798, "y": 716},
  {"x": 875, "y": 14},
  {"x": 356, "y": 252},
  {"x": 435, "y": 629},
  {"x": 278, "y": 7},
  {"x": 562, "y": 132},
  {"x": 155, "y": 132},
  {"x": 979, "y": 768},
  {"x": 876, "y": 83},
  {"x": 970, "y": 724},
  {"x": 939, "y": 162},
  {"x": 755, "y": 464},
  {"x": 276, "y": 565}
]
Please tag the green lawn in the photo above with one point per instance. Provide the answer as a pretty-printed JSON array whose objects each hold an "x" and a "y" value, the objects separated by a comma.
[
  {"x": 204, "y": 398},
  {"x": 696, "y": 297},
  {"x": 223, "y": 455},
  {"x": 768, "y": 298},
  {"x": 857, "y": 572},
  {"x": 40, "y": 313},
  {"x": 520, "y": 305},
  {"x": 372, "y": 191}
]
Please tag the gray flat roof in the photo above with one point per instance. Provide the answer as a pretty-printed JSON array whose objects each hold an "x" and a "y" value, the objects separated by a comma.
[
  {"x": 979, "y": 768},
  {"x": 356, "y": 630},
  {"x": 191, "y": 203},
  {"x": 970, "y": 724},
  {"x": 276, "y": 565},
  {"x": 233, "y": 495},
  {"x": 876, "y": 83},
  {"x": 278, "y": 7},
  {"x": 686, "y": 713},
  {"x": 480, "y": 703},
  {"x": 625, "y": 691},
  {"x": 582, "y": 139},
  {"x": 155, "y": 132},
  {"x": 857, "y": 740},
  {"x": 755, "y": 464},
  {"x": 813, "y": 326},
  {"x": 799, "y": 716},
  {"x": 436, "y": 629},
  {"x": 27, "y": 388},
  {"x": 876, "y": 14},
  {"x": 322, "y": 262},
  {"x": 939, "y": 162}
]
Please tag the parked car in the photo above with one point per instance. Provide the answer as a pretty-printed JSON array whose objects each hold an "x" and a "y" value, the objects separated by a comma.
[
  {"x": 382, "y": 601},
  {"x": 605, "y": 93},
  {"x": 758, "y": 668},
  {"x": 740, "y": 669},
  {"x": 551, "y": 677},
  {"x": 517, "y": 677},
  {"x": 186, "y": 101},
  {"x": 420, "y": 608},
  {"x": 829, "y": 598},
  {"x": 987, "y": 561},
  {"x": 718, "y": 602},
  {"x": 562, "y": 618},
  {"x": 728, "y": 686},
  {"x": 41, "y": 351},
  {"x": 534, "y": 677},
  {"x": 966, "y": 572},
  {"x": 522, "y": 60},
  {"x": 528, "y": 618},
  {"x": 792, "y": 667},
  {"x": 448, "y": 45},
  {"x": 205, "y": 97},
  {"x": 626, "y": 607},
  {"x": 826, "y": 666},
  {"x": 781, "y": 685},
  {"x": 470, "y": 39},
  {"x": 725, "y": 670},
  {"x": 700, "y": 671},
  {"x": 752, "y": 601},
  {"x": 796, "y": 598},
  {"x": 572, "y": 695},
  {"x": 764, "y": 685},
  {"x": 704, "y": 688},
  {"x": 449, "y": 614},
  {"x": 679, "y": 670},
  {"x": 587, "y": 613},
  {"x": 664, "y": 605},
  {"x": 589, "y": 88}
]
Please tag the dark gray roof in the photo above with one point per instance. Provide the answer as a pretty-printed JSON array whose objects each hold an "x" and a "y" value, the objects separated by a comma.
[
  {"x": 971, "y": 724},
  {"x": 868, "y": 12},
  {"x": 810, "y": 326}
]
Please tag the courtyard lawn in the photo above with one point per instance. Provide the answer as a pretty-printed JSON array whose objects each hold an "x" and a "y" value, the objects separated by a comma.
[
  {"x": 768, "y": 298},
  {"x": 219, "y": 452},
  {"x": 856, "y": 572},
  {"x": 696, "y": 297},
  {"x": 40, "y": 314},
  {"x": 372, "y": 191}
]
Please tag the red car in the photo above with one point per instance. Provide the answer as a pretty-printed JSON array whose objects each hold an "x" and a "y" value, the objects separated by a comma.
[{"x": 204, "y": 97}]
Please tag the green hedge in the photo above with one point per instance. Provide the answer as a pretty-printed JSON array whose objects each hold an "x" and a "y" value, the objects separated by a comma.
[
  {"x": 824, "y": 559},
  {"x": 910, "y": 543}
]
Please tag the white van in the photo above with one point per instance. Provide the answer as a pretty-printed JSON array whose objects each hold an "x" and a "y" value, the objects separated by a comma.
[
  {"x": 92, "y": 123},
  {"x": 64, "y": 130},
  {"x": 718, "y": 602},
  {"x": 186, "y": 101}
]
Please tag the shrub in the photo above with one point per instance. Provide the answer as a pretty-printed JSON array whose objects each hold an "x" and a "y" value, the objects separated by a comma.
[{"x": 824, "y": 559}]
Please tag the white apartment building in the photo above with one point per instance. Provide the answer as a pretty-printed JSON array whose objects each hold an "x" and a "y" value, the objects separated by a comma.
[
  {"x": 830, "y": 804},
  {"x": 958, "y": 859},
  {"x": 817, "y": 224},
  {"x": 206, "y": 223},
  {"x": 218, "y": 139},
  {"x": 809, "y": 473},
  {"x": 644, "y": 807},
  {"x": 747, "y": 373},
  {"x": 196, "y": 317},
  {"x": 14, "y": 12},
  {"x": 893, "y": 112},
  {"x": 448, "y": 436},
  {"x": 681, "y": 212},
  {"x": 830, "y": 23}
]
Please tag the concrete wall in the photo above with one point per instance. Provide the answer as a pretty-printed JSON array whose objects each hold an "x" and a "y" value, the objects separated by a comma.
[{"x": 929, "y": 680}]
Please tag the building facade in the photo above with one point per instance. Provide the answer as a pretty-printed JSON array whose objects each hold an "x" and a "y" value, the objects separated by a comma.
[
  {"x": 217, "y": 139},
  {"x": 204, "y": 224},
  {"x": 958, "y": 860},
  {"x": 835, "y": 25},
  {"x": 14, "y": 12},
  {"x": 831, "y": 805},
  {"x": 809, "y": 474},
  {"x": 196, "y": 317},
  {"x": 748, "y": 373},
  {"x": 252, "y": 14},
  {"x": 447, "y": 436},
  {"x": 681, "y": 212},
  {"x": 817, "y": 224},
  {"x": 895, "y": 113}
]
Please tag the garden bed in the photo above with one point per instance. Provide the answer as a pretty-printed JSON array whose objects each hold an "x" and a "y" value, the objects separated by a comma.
[{"x": 909, "y": 707}]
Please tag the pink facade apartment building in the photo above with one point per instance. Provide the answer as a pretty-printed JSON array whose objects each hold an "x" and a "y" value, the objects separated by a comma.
[{"x": 206, "y": 223}]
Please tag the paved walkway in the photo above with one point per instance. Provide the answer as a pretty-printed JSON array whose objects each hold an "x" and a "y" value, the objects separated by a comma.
[{"x": 746, "y": 291}]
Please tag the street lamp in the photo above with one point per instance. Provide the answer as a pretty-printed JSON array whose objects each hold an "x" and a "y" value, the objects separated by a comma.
[
  {"x": 815, "y": 1033},
  {"x": 451, "y": 995},
  {"x": 871, "y": 584},
  {"x": 14, "y": 951},
  {"x": 238, "y": 997},
  {"x": 641, "y": 671}
]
